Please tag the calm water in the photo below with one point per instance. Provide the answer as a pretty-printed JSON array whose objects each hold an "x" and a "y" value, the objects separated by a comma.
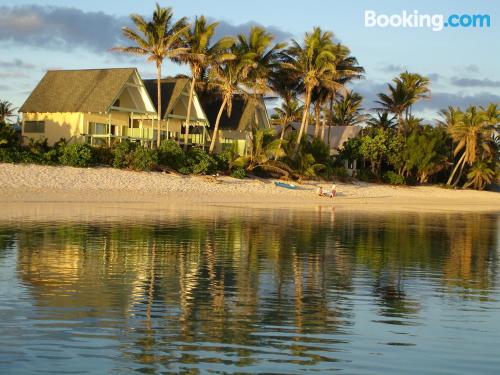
[{"x": 261, "y": 291}]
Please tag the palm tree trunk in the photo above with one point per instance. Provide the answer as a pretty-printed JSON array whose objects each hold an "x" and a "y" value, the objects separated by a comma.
[
  {"x": 303, "y": 123},
  {"x": 317, "y": 110},
  {"x": 188, "y": 115},
  {"x": 455, "y": 169},
  {"x": 216, "y": 127},
  {"x": 330, "y": 117},
  {"x": 158, "y": 88},
  {"x": 323, "y": 124},
  {"x": 281, "y": 137}
]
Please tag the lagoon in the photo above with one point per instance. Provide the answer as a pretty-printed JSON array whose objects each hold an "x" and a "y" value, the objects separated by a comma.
[{"x": 252, "y": 291}]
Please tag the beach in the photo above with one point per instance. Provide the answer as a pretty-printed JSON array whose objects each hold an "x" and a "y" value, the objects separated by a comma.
[{"x": 34, "y": 190}]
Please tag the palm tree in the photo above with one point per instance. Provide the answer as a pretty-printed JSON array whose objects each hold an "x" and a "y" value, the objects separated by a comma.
[
  {"x": 6, "y": 110},
  {"x": 480, "y": 175},
  {"x": 347, "y": 112},
  {"x": 157, "y": 39},
  {"x": 381, "y": 121},
  {"x": 404, "y": 92},
  {"x": 313, "y": 63},
  {"x": 201, "y": 55},
  {"x": 470, "y": 130},
  {"x": 264, "y": 149},
  {"x": 289, "y": 111},
  {"x": 225, "y": 78}
]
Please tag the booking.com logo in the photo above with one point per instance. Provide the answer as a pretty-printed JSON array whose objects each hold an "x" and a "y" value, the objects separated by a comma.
[{"x": 435, "y": 21}]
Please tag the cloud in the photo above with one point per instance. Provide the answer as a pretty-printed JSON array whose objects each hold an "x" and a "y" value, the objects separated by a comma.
[
  {"x": 4, "y": 74},
  {"x": 434, "y": 77},
  {"x": 5, "y": 88},
  {"x": 15, "y": 63},
  {"x": 392, "y": 68},
  {"x": 472, "y": 68},
  {"x": 225, "y": 29},
  {"x": 440, "y": 100},
  {"x": 60, "y": 28},
  {"x": 474, "y": 82},
  {"x": 368, "y": 90},
  {"x": 65, "y": 28}
]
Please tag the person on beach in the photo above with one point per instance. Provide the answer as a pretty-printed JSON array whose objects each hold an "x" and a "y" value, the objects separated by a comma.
[
  {"x": 320, "y": 191},
  {"x": 334, "y": 191}
]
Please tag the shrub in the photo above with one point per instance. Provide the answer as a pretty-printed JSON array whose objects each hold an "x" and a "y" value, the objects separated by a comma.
[
  {"x": 238, "y": 173},
  {"x": 121, "y": 154},
  {"x": 366, "y": 175},
  {"x": 199, "y": 162},
  {"x": 143, "y": 159},
  {"x": 103, "y": 155},
  {"x": 393, "y": 178},
  {"x": 9, "y": 155},
  {"x": 8, "y": 136},
  {"x": 77, "y": 155},
  {"x": 171, "y": 154},
  {"x": 340, "y": 172}
]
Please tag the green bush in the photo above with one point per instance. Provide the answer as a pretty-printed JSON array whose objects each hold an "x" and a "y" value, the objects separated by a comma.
[
  {"x": 77, "y": 155},
  {"x": 8, "y": 136},
  {"x": 103, "y": 156},
  {"x": 393, "y": 178},
  {"x": 143, "y": 159},
  {"x": 9, "y": 155},
  {"x": 199, "y": 162},
  {"x": 171, "y": 154},
  {"x": 238, "y": 173},
  {"x": 366, "y": 175},
  {"x": 340, "y": 172},
  {"x": 122, "y": 154}
]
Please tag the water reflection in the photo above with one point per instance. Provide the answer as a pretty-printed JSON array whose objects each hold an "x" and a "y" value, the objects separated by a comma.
[{"x": 268, "y": 291}]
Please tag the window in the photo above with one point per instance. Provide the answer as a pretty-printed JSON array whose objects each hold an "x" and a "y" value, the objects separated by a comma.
[
  {"x": 96, "y": 128},
  {"x": 34, "y": 126}
]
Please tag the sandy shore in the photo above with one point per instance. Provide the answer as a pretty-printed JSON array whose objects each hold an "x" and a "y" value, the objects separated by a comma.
[{"x": 36, "y": 190}]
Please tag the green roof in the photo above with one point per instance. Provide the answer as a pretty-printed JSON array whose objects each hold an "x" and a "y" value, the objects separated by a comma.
[{"x": 90, "y": 90}]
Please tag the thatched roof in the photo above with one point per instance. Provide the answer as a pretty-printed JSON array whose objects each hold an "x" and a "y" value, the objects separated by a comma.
[
  {"x": 92, "y": 90},
  {"x": 242, "y": 114},
  {"x": 171, "y": 90}
]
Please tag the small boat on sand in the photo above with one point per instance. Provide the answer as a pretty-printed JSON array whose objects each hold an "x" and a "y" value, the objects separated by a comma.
[{"x": 285, "y": 185}]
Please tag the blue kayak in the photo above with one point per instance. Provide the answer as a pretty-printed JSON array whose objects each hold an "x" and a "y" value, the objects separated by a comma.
[{"x": 285, "y": 185}]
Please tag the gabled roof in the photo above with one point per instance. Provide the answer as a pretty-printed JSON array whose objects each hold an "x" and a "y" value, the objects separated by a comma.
[
  {"x": 92, "y": 90},
  {"x": 242, "y": 113},
  {"x": 171, "y": 90}
]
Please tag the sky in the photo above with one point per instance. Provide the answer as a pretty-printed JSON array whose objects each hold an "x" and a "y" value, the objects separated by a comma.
[{"x": 462, "y": 63}]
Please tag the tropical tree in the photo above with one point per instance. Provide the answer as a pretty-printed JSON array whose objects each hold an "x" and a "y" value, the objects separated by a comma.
[
  {"x": 480, "y": 175},
  {"x": 289, "y": 111},
  {"x": 6, "y": 110},
  {"x": 200, "y": 55},
  {"x": 347, "y": 111},
  {"x": 225, "y": 79},
  {"x": 264, "y": 151},
  {"x": 157, "y": 39},
  {"x": 314, "y": 63},
  {"x": 403, "y": 93},
  {"x": 381, "y": 121},
  {"x": 471, "y": 132}
]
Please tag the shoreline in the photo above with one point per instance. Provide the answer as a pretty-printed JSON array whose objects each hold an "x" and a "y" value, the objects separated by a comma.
[{"x": 32, "y": 190}]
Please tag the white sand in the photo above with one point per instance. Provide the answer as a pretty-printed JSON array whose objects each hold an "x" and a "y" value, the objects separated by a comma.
[{"x": 34, "y": 188}]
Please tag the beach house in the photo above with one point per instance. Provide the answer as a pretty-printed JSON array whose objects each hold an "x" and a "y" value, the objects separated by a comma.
[
  {"x": 98, "y": 106},
  {"x": 174, "y": 105},
  {"x": 247, "y": 113}
]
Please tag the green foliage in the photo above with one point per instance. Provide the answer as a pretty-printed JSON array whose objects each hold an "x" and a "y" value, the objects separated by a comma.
[
  {"x": 171, "y": 154},
  {"x": 481, "y": 174},
  {"x": 143, "y": 159},
  {"x": 340, "y": 173},
  {"x": 103, "y": 155},
  {"x": 9, "y": 155},
  {"x": 374, "y": 148},
  {"x": 199, "y": 162},
  {"x": 122, "y": 154},
  {"x": 77, "y": 155},
  {"x": 238, "y": 172},
  {"x": 393, "y": 178},
  {"x": 8, "y": 136},
  {"x": 366, "y": 175}
]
